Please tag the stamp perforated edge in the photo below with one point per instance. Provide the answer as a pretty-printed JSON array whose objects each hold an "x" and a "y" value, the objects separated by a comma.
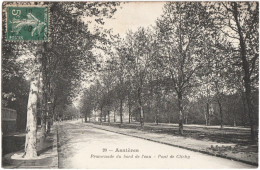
[{"x": 27, "y": 5}]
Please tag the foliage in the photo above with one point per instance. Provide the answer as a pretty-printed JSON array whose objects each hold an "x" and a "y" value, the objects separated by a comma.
[{"x": 189, "y": 61}]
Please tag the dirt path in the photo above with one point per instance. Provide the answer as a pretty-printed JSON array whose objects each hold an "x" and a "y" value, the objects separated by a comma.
[{"x": 81, "y": 146}]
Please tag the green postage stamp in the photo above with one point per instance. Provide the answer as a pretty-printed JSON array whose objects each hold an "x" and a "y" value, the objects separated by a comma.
[{"x": 27, "y": 23}]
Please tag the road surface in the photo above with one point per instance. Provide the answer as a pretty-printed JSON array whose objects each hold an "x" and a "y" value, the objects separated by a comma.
[{"x": 81, "y": 146}]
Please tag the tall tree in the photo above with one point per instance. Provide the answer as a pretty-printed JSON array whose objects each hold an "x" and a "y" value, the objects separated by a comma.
[
  {"x": 242, "y": 21},
  {"x": 181, "y": 29},
  {"x": 139, "y": 51},
  {"x": 53, "y": 57}
]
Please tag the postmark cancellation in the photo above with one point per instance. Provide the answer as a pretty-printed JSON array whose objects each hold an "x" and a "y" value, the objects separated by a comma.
[{"x": 27, "y": 23}]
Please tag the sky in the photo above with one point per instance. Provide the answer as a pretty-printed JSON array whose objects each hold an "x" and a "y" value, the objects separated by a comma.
[
  {"x": 135, "y": 14},
  {"x": 131, "y": 15}
]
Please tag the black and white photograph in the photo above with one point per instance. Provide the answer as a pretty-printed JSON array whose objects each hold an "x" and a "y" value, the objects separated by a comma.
[{"x": 130, "y": 84}]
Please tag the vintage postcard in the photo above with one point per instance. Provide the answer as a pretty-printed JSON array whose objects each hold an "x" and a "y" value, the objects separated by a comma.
[{"x": 132, "y": 85}]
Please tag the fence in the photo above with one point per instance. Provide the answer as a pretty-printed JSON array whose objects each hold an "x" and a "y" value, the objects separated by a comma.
[{"x": 8, "y": 120}]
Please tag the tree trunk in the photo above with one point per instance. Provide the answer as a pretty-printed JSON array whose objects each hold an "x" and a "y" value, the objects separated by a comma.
[
  {"x": 121, "y": 112},
  {"x": 114, "y": 116},
  {"x": 42, "y": 98},
  {"x": 207, "y": 115},
  {"x": 101, "y": 115},
  {"x": 221, "y": 114},
  {"x": 141, "y": 107},
  {"x": 130, "y": 115},
  {"x": 157, "y": 115},
  {"x": 129, "y": 111},
  {"x": 86, "y": 118},
  {"x": 247, "y": 82},
  {"x": 44, "y": 128},
  {"x": 43, "y": 124},
  {"x": 48, "y": 112},
  {"x": 141, "y": 116},
  {"x": 234, "y": 115},
  {"x": 129, "y": 106},
  {"x": 31, "y": 126},
  {"x": 158, "y": 96},
  {"x": 157, "y": 119},
  {"x": 180, "y": 113},
  {"x": 158, "y": 106},
  {"x": 108, "y": 114},
  {"x": 53, "y": 111},
  {"x": 206, "y": 120},
  {"x": 148, "y": 108},
  {"x": 244, "y": 109},
  {"x": 49, "y": 125}
]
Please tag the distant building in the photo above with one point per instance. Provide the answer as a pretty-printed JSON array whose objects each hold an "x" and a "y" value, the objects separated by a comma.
[{"x": 9, "y": 117}]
